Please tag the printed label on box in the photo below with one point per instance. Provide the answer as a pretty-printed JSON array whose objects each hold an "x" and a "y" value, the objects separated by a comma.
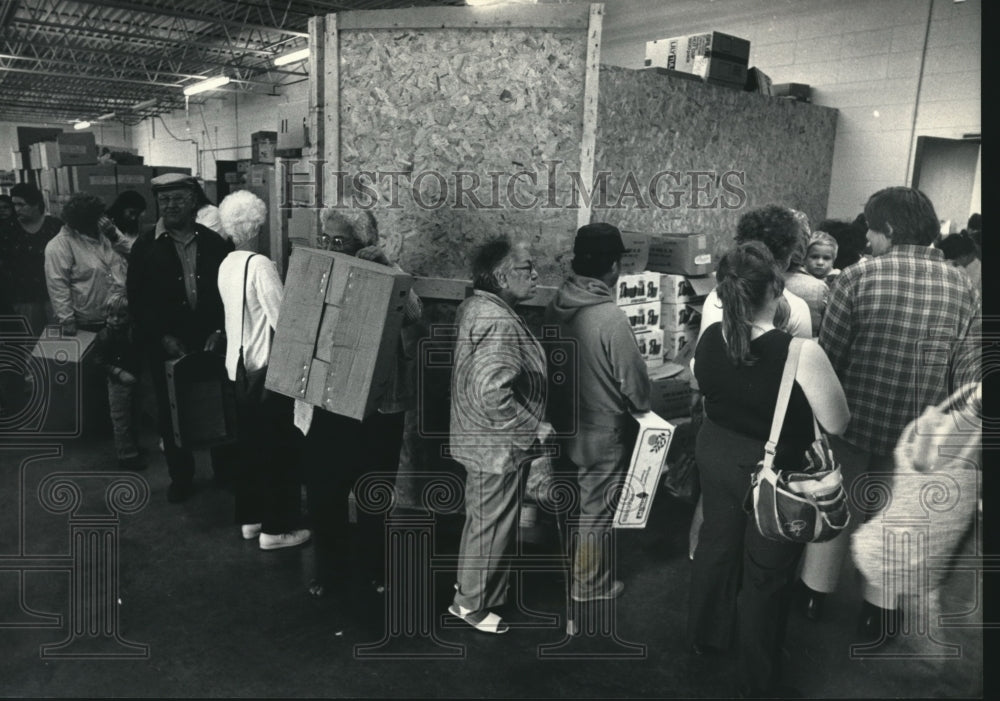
[
  {"x": 650, "y": 344},
  {"x": 642, "y": 316},
  {"x": 638, "y": 287},
  {"x": 648, "y": 458}
]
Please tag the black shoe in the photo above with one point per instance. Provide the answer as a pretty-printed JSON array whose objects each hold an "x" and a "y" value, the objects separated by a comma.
[
  {"x": 874, "y": 622},
  {"x": 179, "y": 491}
]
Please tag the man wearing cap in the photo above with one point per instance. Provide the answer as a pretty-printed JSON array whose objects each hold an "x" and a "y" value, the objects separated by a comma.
[
  {"x": 174, "y": 296},
  {"x": 611, "y": 382}
]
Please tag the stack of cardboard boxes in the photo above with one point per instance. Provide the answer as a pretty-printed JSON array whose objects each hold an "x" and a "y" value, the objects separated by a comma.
[
  {"x": 663, "y": 304},
  {"x": 717, "y": 58}
]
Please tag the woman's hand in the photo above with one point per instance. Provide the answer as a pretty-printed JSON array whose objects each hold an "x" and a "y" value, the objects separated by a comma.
[{"x": 373, "y": 253}]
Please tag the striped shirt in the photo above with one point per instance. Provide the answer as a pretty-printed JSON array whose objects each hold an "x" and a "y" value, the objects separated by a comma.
[{"x": 900, "y": 330}]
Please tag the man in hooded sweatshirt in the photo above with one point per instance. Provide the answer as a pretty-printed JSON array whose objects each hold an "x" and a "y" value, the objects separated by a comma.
[{"x": 593, "y": 413}]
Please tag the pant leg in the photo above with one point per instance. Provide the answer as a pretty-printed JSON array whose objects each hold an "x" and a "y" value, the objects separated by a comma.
[
  {"x": 725, "y": 463},
  {"x": 488, "y": 537},
  {"x": 764, "y": 600},
  {"x": 384, "y": 436},
  {"x": 604, "y": 459},
  {"x": 280, "y": 448},
  {"x": 822, "y": 562},
  {"x": 120, "y": 402},
  {"x": 180, "y": 462}
]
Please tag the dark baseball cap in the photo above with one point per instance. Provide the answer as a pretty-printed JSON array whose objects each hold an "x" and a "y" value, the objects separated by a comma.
[{"x": 598, "y": 238}]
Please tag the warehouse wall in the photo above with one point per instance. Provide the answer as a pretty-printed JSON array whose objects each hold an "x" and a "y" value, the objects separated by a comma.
[
  {"x": 219, "y": 129},
  {"x": 861, "y": 57},
  {"x": 111, "y": 134}
]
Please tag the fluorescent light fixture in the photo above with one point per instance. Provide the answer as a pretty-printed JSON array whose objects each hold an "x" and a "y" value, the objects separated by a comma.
[
  {"x": 210, "y": 84},
  {"x": 300, "y": 55},
  {"x": 109, "y": 115},
  {"x": 144, "y": 104},
  {"x": 81, "y": 125}
]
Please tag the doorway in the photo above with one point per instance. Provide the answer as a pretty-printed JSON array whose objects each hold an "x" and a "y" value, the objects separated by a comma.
[{"x": 947, "y": 171}]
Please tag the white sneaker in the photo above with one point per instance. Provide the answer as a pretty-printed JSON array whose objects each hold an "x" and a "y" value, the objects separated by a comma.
[
  {"x": 284, "y": 540},
  {"x": 250, "y": 530}
]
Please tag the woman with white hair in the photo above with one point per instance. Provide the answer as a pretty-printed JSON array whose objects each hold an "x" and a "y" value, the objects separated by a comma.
[{"x": 268, "y": 496}]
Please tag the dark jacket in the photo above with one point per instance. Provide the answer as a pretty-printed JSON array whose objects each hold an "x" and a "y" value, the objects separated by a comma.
[
  {"x": 155, "y": 287},
  {"x": 116, "y": 348}
]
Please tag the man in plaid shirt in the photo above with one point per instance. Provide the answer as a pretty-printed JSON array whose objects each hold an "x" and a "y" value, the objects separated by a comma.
[{"x": 900, "y": 329}]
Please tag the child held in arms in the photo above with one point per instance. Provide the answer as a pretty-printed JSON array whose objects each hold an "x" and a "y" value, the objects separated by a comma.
[{"x": 820, "y": 255}]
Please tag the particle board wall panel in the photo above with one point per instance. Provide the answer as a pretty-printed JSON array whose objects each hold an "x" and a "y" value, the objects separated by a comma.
[{"x": 651, "y": 123}]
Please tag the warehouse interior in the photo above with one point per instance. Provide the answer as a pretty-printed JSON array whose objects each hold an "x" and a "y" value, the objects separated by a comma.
[{"x": 873, "y": 94}]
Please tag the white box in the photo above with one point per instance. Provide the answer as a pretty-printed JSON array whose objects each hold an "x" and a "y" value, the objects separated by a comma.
[
  {"x": 648, "y": 458},
  {"x": 638, "y": 287},
  {"x": 677, "y": 317},
  {"x": 678, "y": 346},
  {"x": 675, "y": 289},
  {"x": 650, "y": 345},
  {"x": 642, "y": 316}
]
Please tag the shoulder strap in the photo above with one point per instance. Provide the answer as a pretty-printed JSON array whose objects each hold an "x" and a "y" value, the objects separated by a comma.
[
  {"x": 784, "y": 393},
  {"x": 243, "y": 307}
]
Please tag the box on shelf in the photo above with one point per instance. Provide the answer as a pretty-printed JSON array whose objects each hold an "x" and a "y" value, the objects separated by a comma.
[
  {"x": 262, "y": 146},
  {"x": 678, "y": 346},
  {"x": 638, "y": 287},
  {"x": 48, "y": 155},
  {"x": 636, "y": 252},
  {"x": 642, "y": 316},
  {"x": 16, "y": 160},
  {"x": 338, "y": 330},
  {"x": 675, "y": 289},
  {"x": 678, "y": 317},
  {"x": 758, "y": 81},
  {"x": 47, "y": 181},
  {"x": 680, "y": 254},
  {"x": 138, "y": 179},
  {"x": 101, "y": 181},
  {"x": 719, "y": 71},
  {"x": 649, "y": 455},
  {"x": 163, "y": 170},
  {"x": 679, "y": 53},
  {"x": 798, "y": 91}
]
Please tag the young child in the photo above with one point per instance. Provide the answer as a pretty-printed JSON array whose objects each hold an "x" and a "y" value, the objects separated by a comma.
[
  {"x": 117, "y": 353},
  {"x": 820, "y": 254}
]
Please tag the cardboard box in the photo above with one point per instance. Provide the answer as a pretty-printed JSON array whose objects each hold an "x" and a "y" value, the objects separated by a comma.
[
  {"x": 48, "y": 155},
  {"x": 758, "y": 81},
  {"x": 47, "y": 181},
  {"x": 678, "y": 317},
  {"x": 636, "y": 252},
  {"x": 64, "y": 180},
  {"x": 638, "y": 287},
  {"x": 76, "y": 148},
  {"x": 798, "y": 91},
  {"x": 262, "y": 146},
  {"x": 642, "y": 316},
  {"x": 16, "y": 160},
  {"x": 101, "y": 181},
  {"x": 679, "y": 53},
  {"x": 338, "y": 331},
  {"x": 719, "y": 71},
  {"x": 678, "y": 346},
  {"x": 680, "y": 254},
  {"x": 650, "y": 345},
  {"x": 670, "y": 391},
  {"x": 649, "y": 455},
  {"x": 675, "y": 289},
  {"x": 162, "y": 170}
]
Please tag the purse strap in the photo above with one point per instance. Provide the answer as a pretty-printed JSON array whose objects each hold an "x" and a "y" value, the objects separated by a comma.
[
  {"x": 784, "y": 394},
  {"x": 243, "y": 307}
]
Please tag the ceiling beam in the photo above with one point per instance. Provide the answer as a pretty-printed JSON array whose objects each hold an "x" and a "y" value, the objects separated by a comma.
[
  {"x": 83, "y": 76},
  {"x": 196, "y": 16}
]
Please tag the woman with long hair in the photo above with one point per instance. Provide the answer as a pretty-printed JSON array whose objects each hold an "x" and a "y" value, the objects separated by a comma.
[{"x": 739, "y": 362}]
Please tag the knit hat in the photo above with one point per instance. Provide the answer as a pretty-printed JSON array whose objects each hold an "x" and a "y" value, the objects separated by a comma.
[{"x": 598, "y": 238}]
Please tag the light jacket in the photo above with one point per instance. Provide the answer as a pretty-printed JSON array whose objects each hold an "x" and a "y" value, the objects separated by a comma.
[{"x": 81, "y": 272}]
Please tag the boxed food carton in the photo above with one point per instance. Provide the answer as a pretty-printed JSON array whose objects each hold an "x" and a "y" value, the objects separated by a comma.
[
  {"x": 76, "y": 148},
  {"x": 678, "y": 317},
  {"x": 642, "y": 316},
  {"x": 650, "y": 344},
  {"x": 675, "y": 289},
  {"x": 48, "y": 155},
  {"x": 638, "y": 287},
  {"x": 649, "y": 455},
  {"x": 636, "y": 252},
  {"x": 680, "y": 254},
  {"x": 670, "y": 391},
  {"x": 679, "y": 53},
  {"x": 719, "y": 71},
  {"x": 338, "y": 331}
]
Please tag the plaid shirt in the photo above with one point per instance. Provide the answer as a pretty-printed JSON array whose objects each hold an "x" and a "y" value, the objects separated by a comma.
[{"x": 900, "y": 329}]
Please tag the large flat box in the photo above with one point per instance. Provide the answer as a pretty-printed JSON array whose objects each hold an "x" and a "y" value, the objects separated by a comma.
[
  {"x": 338, "y": 331},
  {"x": 638, "y": 287},
  {"x": 636, "y": 252},
  {"x": 262, "y": 146},
  {"x": 680, "y": 53},
  {"x": 101, "y": 181},
  {"x": 649, "y": 455},
  {"x": 670, "y": 391},
  {"x": 202, "y": 400},
  {"x": 642, "y": 316},
  {"x": 76, "y": 148},
  {"x": 680, "y": 254}
]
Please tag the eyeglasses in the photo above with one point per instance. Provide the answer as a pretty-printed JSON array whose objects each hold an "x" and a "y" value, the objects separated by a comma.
[
  {"x": 530, "y": 267},
  {"x": 175, "y": 199}
]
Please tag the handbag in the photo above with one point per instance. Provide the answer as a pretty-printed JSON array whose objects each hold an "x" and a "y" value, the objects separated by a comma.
[
  {"x": 804, "y": 506},
  {"x": 249, "y": 385}
]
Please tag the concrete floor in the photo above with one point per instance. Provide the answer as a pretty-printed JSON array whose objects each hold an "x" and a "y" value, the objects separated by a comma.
[{"x": 221, "y": 618}]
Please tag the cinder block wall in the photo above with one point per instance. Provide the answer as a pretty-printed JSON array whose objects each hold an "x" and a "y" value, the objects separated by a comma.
[{"x": 862, "y": 57}]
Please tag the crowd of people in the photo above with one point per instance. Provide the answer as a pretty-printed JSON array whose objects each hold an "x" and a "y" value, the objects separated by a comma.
[{"x": 867, "y": 296}]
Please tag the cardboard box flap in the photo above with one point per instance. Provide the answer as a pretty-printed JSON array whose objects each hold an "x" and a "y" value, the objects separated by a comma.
[{"x": 703, "y": 284}]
